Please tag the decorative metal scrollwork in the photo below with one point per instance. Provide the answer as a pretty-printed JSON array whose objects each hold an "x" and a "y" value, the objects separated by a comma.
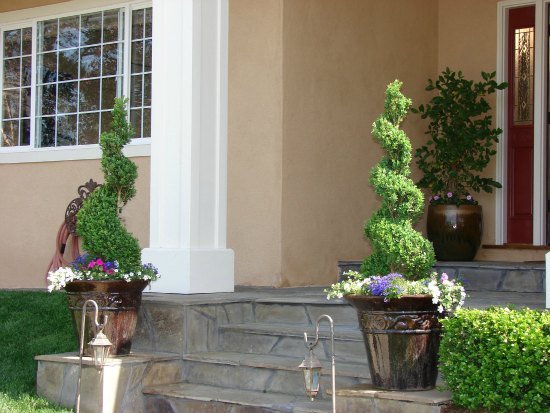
[
  {"x": 74, "y": 206},
  {"x": 422, "y": 321}
]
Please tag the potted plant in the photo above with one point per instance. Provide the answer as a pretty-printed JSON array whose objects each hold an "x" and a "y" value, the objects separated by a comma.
[
  {"x": 397, "y": 297},
  {"x": 111, "y": 271},
  {"x": 460, "y": 146}
]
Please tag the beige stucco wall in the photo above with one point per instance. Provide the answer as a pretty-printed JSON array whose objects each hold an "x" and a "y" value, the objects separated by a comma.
[
  {"x": 255, "y": 140},
  {"x": 6, "y": 5},
  {"x": 338, "y": 59},
  {"x": 34, "y": 199}
]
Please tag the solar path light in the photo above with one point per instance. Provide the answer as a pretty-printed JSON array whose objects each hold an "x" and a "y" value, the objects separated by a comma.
[{"x": 311, "y": 366}]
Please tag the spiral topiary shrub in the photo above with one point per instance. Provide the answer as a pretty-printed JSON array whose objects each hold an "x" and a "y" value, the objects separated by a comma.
[
  {"x": 98, "y": 222},
  {"x": 396, "y": 246}
]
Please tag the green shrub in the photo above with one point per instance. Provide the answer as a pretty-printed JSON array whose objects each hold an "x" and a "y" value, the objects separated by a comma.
[
  {"x": 396, "y": 246},
  {"x": 102, "y": 231},
  {"x": 498, "y": 359}
]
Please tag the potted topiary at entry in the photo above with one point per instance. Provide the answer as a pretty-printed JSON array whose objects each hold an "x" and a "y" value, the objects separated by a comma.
[
  {"x": 461, "y": 145},
  {"x": 398, "y": 299},
  {"x": 111, "y": 271}
]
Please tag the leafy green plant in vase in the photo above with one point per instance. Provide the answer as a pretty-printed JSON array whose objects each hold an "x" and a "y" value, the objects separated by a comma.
[
  {"x": 460, "y": 147},
  {"x": 111, "y": 271},
  {"x": 399, "y": 300}
]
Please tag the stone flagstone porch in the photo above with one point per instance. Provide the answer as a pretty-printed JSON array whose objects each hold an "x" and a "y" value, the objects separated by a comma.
[{"x": 239, "y": 352}]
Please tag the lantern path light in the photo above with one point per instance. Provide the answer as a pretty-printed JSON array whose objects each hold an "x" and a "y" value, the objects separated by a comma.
[
  {"x": 311, "y": 366},
  {"x": 100, "y": 346}
]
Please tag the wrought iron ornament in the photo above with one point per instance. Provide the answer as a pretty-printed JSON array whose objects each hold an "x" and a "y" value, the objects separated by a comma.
[{"x": 74, "y": 206}]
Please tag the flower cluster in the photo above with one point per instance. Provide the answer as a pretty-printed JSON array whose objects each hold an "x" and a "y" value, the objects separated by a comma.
[
  {"x": 452, "y": 198},
  {"x": 448, "y": 294},
  {"x": 86, "y": 267}
]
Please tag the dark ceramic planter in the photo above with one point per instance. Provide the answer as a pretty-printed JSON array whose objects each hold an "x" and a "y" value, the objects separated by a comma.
[
  {"x": 118, "y": 300},
  {"x": 455, "y": 231},
  {"x": 401, "y": 338}
]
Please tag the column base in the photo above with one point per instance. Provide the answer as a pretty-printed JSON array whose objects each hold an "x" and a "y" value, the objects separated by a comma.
[{"x": 192, "y": 271}]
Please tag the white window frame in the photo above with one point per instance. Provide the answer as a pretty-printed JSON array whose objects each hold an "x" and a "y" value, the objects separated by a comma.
[
  {"x": 30, "y": 17},
  {"x": 539, "y": 124}
]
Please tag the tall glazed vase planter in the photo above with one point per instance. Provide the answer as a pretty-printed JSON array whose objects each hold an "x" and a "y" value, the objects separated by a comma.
[
  {"x": 455, "y": 231},
  {"x": 402, "y": 338},
  {"x": 118, "y": 300}
]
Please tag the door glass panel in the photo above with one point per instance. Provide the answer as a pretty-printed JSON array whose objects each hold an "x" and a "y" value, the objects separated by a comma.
[{"x": 524, "y": 74}]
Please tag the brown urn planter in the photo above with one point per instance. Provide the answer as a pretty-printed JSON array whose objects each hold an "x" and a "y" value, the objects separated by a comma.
[
  {"x": 118, "y": 300},
  {"x": 401, "y": 338},
  {"x": 455, "y": 231}
]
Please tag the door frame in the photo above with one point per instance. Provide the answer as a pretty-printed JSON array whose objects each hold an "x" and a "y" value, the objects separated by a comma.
[{"x": 539, "y": 121}]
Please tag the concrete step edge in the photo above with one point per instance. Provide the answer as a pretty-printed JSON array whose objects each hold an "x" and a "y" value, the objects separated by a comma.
[
  {"x": 345, "y": 332},
  {"x": 275, "y": 362}
]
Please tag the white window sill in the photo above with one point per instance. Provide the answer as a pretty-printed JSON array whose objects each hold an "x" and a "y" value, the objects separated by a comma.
[{"x": 73, "y": 153}]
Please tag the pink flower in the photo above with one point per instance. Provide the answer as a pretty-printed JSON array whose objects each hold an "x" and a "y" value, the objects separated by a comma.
[
  {"x": 99, "y": 261},
  {"x": 449, "y": 194},
  {"x": 469, "y": 197},
  {"x": 444, "y": 277},
  {"x": 91, "y": 264},
  {"x": 436, "y": 197}
]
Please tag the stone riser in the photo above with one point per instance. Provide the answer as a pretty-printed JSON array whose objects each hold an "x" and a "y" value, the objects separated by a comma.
[
  {"x": 306, "y": 314},
  {"x": 284, "y": 345},
  {"x": 266, "y": 380},
  {"x": 162, "y": 404}
]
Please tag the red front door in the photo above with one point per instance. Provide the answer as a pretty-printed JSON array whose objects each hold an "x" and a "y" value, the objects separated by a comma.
[{"x": 521, "y": 76}]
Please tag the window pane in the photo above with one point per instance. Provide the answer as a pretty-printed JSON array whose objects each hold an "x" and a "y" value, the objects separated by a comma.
[
  {"x": 137, "y": 57},
  {"x": 26, "y": 71},
  {"x": 108, "y": 92},
  {"x": 137, "y": 24},
  {"x": 106, "y": 120},
  {"x": 46, "y": 131},
  {"x": 11, "y": 72},
  {"x": 12, "y": 43},
  {"x": 67, "y": 97},
  {"x": 10, "y": 133},
  {"x": 89, "y": 95},
  {"x": 27, "y": 41},
  {"x": 146, "y": 123},
  {"x": 66, "y": 130},
  {"x": 68, "y": 32},
  {"x": 149, "y": 22},
  {"x": 136, "y": 88},
  {"x": 110, "y": 26},
  {"x": 47, "y": 35},
  {"x": 47, "y": 67},
  {"x": 111, "y": 60},
  {"x": 26, "y": 102},
  {"x": 147, "y": 63},
  {"x": 90, "y": 30},
  {"x": 46, "y": 95},
  {"x": 68, "y": 64},
  {"x": 147, "y": 90},
  {"x": 10, "y": 104},
  {"x": 90, "y": 62},
  {"x": 25, "y": 132},
  {"x": 88, "y": 128},
  {"x": 135, "y": 120}
]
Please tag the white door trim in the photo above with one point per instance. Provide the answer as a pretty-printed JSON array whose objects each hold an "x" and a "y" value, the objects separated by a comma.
[{"x": 539, "y": 124}]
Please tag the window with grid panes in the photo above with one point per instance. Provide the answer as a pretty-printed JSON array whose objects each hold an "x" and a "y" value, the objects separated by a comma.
[{"x": 80, "y": 66}]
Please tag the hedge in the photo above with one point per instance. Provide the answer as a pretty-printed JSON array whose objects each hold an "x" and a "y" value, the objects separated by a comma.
[{"x": 498, "y": 359}]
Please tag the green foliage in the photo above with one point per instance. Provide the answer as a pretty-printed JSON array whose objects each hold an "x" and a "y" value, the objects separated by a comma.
[
  {"x": 462, "y": 139},
  {"x": 498, "y": 359},
  {"x": 26, "y": 332},
  {"x": 397, "y": 247},
  {"x": 98, "y": 221}
]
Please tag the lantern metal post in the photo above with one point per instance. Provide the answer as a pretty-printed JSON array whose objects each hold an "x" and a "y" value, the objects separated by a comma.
[
  {"x": 100, "y": 346},
  {"x": 311, "y": 365}
]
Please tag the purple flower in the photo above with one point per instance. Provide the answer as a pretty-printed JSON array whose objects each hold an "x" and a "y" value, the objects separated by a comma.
[
  {"x": 449, "y": 194},
  {"x": 444, "y": 277},
  {"x": 381, "y": 285},
  {"x": 436, "y": 197}
]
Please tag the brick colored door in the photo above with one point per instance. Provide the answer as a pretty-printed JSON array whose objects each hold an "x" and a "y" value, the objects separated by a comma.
[{"x": 521, "y": 76}]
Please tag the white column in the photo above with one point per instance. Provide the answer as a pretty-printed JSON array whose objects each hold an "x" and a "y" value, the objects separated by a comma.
[{"x": 189, "y": 148}]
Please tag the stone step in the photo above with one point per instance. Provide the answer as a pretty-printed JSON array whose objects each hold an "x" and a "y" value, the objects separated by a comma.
[
  {"x": 288, "y": 339},
  {"x": 520, "y": 277},
  {"x": 264, "y": 373},
  {"x": 301, "y": 311},
  {"x": 196, "y": 398}
]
